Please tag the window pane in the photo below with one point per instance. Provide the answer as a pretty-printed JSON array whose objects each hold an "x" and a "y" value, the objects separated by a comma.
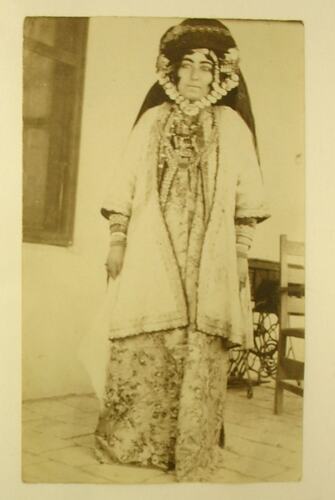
[
  {"x": 61, "y": 145},
  {"x": 53, "y": 81},
  {"x": 37, "y": 84},
  {"x": 35, "y": 161},
  {"x": 68, "y": 31},
  {"x": 42, "y": 29}
]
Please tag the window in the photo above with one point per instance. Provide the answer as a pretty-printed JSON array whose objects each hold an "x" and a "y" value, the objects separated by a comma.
[{"x": 53, "y": 74}]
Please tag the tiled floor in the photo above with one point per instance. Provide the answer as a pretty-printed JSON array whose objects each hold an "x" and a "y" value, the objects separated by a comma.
[{"x": 57, "y": 442}]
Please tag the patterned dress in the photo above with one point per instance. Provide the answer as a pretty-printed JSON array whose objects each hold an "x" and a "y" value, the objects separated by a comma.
[{"x": 165, "y": 391}]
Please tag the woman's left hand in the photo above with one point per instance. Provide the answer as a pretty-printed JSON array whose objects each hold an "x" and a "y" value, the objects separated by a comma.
[{"x": 242, "y": 270}]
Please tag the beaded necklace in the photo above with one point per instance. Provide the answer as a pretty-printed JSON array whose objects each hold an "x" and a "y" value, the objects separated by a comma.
[{"x": 184, "y": 143}]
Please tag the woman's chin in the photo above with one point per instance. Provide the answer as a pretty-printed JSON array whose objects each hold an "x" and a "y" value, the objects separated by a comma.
[{"x": 193, "y": 96}]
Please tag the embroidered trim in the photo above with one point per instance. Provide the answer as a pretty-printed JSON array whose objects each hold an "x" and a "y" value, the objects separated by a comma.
[
  {"x": 169, "y": 258},
  {"x": 259, "y": 214},
  {"x": 210, "y": 210},
  {"x": 245, "y": 221},
  {"x": 222, "y": 329},
  {"x": 143, "y": 325}
]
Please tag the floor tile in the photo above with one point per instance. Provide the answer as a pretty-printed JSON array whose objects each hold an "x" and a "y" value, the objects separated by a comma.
[
  {"x": 74, "y": 455},
  {"x": 53, "y": 472},
  {"x": 122, "y": 474},
  {"x": 58, "y": 440},
  {"x": 230, "y": 476},
  {"x": 161, "y": 479},
  {"x": 28, "y": 415},
  {"x": 260, "y": 451},
  {"x": 265, "y": 436},
  {"x": 49, "y": 407},
  {"x": 88, "y": 418},
  {"x": 250, "y": 466},
  {"x": 31, "y": 458},
  {"x": 83, "y": 404},
  {"x": 87, "y": 441},
  {"x": 286, "y": 476},
  {"x": 34, "y": 442},
  {"x": 42, "y": 424},
  {"x": 63, "y": 430}
]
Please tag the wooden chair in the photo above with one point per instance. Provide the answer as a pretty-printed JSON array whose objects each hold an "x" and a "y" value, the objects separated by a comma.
[{"x": 290, "y": 371}]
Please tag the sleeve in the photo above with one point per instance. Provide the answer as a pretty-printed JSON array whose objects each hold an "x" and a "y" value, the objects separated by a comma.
[
  {"x": 250, "y": 199},
  {"x": 123, "y": 181}
]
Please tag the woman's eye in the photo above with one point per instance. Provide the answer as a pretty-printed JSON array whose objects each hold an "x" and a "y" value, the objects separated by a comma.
[{"x": 206, "y": 68}]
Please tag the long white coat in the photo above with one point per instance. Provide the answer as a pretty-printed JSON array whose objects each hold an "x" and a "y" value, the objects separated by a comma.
[{"x": 150, "y": 295}]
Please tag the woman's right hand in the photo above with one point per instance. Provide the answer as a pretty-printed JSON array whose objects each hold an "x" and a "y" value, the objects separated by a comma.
[{"x": 114, "y": 260}]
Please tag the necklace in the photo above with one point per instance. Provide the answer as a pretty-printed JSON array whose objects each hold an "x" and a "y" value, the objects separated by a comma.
[
  {"x": 183, "y": 138},
  {"x": 183, "y": 144}
]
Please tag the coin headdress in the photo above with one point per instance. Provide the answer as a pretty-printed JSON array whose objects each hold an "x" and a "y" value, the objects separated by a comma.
[
  {"x": 215, "y": 41},
  {"x": 228, "y": 87}
]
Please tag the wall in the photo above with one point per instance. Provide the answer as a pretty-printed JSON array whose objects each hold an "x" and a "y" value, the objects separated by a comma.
[{"x": 62, "y": 287}]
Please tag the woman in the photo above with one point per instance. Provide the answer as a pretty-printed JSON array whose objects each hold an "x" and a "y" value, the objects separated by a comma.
[{"x": 182, "y": 211}]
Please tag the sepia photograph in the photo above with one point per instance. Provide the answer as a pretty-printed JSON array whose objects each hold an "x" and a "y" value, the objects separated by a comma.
[{"x": 163, "y": 250}]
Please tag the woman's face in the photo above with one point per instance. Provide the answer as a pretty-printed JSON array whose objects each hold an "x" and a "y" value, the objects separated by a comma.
[{"x": 195, "y": 75}]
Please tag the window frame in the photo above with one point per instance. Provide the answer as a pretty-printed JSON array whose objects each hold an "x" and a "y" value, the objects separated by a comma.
[{"x": 63, "y": 234}]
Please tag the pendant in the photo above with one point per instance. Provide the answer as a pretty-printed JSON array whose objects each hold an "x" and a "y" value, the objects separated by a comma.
[{"x": 190, "y": 109}]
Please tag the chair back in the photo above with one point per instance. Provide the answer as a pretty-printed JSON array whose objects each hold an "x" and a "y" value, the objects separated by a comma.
[
  {"x": 292, "y": 281},
  {"x": 290, "y": 370}
]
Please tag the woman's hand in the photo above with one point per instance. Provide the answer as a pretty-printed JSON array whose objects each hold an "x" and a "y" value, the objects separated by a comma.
[
  {"x": 114, "y": 260},
  {"x": 242, "y": 270}
]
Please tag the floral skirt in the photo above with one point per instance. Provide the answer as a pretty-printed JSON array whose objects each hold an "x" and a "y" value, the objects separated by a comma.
[
  {"x": 164, "y": 402},
  {"x": 165, "y": 391}
]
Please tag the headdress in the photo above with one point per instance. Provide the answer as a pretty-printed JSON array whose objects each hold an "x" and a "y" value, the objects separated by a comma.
[
  {"x": 229, "y": 87},
  {"x": 215, "y": 39}
]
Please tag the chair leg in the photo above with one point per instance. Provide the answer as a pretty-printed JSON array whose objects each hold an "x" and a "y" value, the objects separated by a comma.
[
  {"x": 222, "y": 437},
  {"x": 250, "y": 391},
  {"x": 279, "y": 391},
  {"x": 279, "y": 397}
]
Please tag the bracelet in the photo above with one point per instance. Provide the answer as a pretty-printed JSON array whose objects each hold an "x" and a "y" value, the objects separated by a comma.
[
  {"x": 117, "y": 237},
  {"x": 117, "y": 228},
  {"x": 118, "y": 243},
  {"x": 245, "y": 232},
  {"x": 242, "y": 250},
  {"x": 243, "y": 240},
  {"x": 119, "y": 234}
]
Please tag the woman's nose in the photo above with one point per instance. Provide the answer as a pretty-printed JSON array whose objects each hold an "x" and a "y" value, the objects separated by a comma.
[{"x": 194, "y": 74}]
